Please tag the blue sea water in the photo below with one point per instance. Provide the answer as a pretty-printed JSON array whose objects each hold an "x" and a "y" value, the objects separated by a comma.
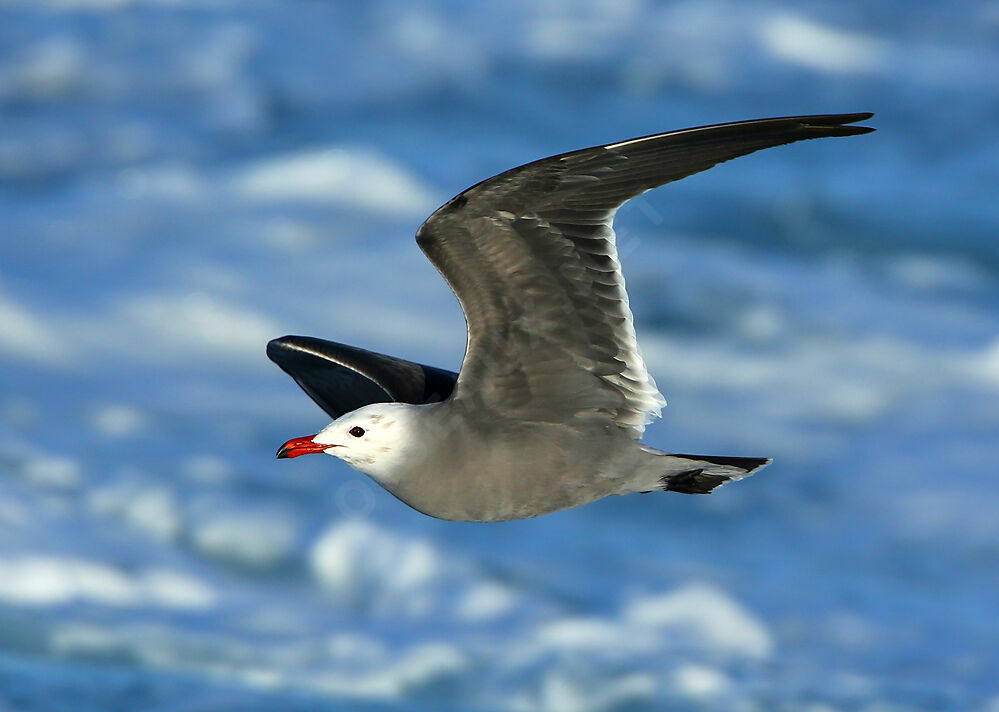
[{"x": 182, "y": 180}]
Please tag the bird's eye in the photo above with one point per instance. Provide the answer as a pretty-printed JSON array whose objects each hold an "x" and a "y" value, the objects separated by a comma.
[{"x": 357, "y": 431}]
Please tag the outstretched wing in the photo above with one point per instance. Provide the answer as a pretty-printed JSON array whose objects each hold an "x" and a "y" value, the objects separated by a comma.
[
  {"x": 531, "y": 256},
  {"x": 341, "y": 378}
]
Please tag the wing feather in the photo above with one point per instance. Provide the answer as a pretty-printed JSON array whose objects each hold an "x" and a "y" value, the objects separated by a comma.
[
  {"x": 531, "y": 256},
  {"x": 341, "y": 378}
]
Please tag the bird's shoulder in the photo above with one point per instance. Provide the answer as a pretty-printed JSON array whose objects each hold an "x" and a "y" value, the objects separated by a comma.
[{"x": 506, "y": 196}]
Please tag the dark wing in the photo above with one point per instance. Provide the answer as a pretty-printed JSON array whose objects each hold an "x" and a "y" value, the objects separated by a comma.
[
  {"x": 341, "y": 378},
  {"x": 531, "y": 256}
]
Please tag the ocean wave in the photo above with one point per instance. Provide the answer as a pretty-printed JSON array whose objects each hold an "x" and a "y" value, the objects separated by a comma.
[
  {"x": 43, "y": 580},
  {"x": 351, "y": 177}
]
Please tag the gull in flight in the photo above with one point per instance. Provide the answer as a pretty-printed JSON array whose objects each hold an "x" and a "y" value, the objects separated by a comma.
[{"x": 553, "y": 395}]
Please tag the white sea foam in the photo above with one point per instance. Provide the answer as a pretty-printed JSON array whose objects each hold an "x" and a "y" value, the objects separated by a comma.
[
  {"x": 761, "y": 323},
  {"x": 699, "y": 682},
  {"x": 174, "y": 326},
  {"x": 41, "y": 580},
  {"x": 171, "y": 589},
  {"x": 486, "y": 601},
  {"x": 820, "y": 378},
  {"x": 152, "y": 509},
  {"x": 353, "y": 177},
  {"x": 51, "y": 470},
  {"x": 562, "y": 692},
  {"x": 26, "y": 335},
  {"x": 578, "y": 30},
  {"x": 928, "y": 273},
  {"x": 115, "y": 420},
  {"x": 708, "y": 616},
  {"x": 361, "y": 565},
  {"x": 165, "y": 327},
  {"x": 351, "y": 665},
  {"x": 417, "y": 668},
  {"x": 607, "y": 637},
  {"x": 986, "y": 363},
  {"x": 810, "y": 44},
  {"x": 86, "y": 640},
  {"x": 247, "y": 539}
]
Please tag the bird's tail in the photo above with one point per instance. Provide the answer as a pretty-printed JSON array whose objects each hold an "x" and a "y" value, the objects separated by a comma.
[{"x": 699, "y": 474}]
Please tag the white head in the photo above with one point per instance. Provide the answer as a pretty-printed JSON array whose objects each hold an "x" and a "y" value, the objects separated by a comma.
[{"x": 374, "y": 439}]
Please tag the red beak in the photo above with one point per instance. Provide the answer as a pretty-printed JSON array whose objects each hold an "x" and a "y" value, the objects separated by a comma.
[{"x": 301, "y": 446}]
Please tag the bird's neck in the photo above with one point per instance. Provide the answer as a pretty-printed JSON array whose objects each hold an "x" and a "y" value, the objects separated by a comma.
[{"x": 413, "y": 438}]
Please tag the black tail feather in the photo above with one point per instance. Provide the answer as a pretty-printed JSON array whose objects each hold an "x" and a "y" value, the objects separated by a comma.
[
  {"x": 693, "y": 482},
  {"x": 743, "y": 463},
  {"x": 714, "y": 471}
]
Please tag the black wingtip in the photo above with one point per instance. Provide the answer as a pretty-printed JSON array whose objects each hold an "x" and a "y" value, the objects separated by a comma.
[
  {"x": 278, "y": 345},
  {"x": 837, "y": 124},
  {"x": 842, "y": 118},
  {"x": 835, "y": 131}
]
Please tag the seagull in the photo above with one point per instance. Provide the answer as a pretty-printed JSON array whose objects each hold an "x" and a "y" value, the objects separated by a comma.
[{"x": 553, "y": 395}]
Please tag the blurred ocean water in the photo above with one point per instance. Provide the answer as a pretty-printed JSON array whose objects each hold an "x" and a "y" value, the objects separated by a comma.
[{"x": 182, "y": 180}]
